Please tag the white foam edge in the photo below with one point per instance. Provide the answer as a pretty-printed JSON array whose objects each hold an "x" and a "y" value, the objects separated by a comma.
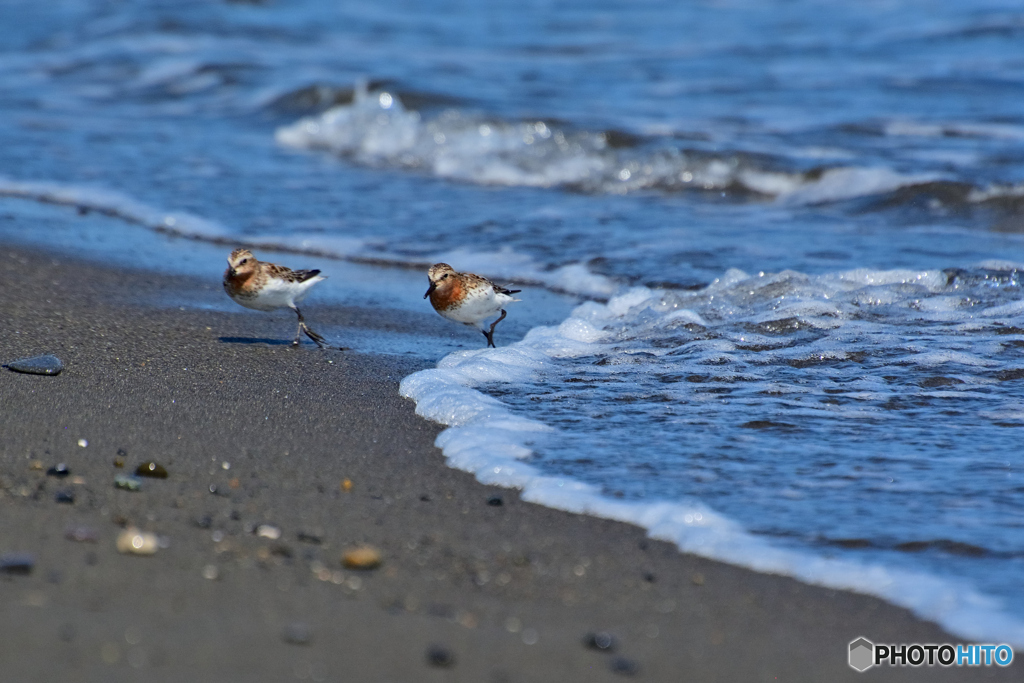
[
  {"x": 486, "y": 438},
  {"x": 572, "y": 278},
  {"x": 115, "y": 204}
]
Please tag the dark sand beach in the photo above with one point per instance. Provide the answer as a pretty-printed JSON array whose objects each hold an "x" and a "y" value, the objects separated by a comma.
[{"x": 256, "y": 433}]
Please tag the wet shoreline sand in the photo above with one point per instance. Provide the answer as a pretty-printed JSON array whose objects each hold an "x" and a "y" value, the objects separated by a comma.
[{"x": 501, "y": 592}]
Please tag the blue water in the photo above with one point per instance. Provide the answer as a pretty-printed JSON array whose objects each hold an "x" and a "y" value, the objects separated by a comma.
[{"x": 763, "y": 167}]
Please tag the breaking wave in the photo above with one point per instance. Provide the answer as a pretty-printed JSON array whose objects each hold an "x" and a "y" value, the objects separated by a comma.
[{"x": 375, "y": 128}]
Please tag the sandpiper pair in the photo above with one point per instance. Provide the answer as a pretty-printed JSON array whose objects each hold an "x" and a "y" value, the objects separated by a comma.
[{"x": 460, "y": 297}]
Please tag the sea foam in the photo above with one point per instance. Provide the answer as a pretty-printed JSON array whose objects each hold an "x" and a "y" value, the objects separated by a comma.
[{"x": 501, "y": 446}]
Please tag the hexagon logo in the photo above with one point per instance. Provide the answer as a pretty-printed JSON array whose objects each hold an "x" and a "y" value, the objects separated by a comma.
[{"x": 862, "y": 654}]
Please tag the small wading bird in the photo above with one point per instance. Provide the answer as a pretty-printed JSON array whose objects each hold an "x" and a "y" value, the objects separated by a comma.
[
  {"x": 267, "y": 287},
  {"x": 467, "y": 298}
]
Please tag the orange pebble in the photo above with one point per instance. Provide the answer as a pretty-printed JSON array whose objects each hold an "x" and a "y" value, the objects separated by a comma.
[{"x": 362, "y": 557}]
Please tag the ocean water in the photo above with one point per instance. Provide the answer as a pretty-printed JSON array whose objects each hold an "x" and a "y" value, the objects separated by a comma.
[{"x": 771, "y": 251}]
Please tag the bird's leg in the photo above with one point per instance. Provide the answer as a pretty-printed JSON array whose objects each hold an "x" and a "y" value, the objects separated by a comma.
[
  {"x": 298, "y": 330},
  {"x": 303, "y": 327},
  {"x": 490, "y": 334}
]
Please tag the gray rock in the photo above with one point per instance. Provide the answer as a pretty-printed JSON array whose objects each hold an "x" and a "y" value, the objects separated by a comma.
[
  {"x": 17, "y": 563},
  {"x": 601, "y": 641},
  {"x": 297, "y": 633},
  {"x": 440, "y": 656},
  {"x": 624, "y": 667},
  {"x": 37, "y": 365},
  {"x": 127, "y": 483}
]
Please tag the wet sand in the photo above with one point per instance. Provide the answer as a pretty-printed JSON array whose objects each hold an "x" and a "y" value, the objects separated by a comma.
[{"x": 255, "y": 432}]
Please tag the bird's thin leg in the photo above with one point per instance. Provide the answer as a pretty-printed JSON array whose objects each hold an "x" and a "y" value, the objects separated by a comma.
[
  {"x": 303, "y": 327},
  {"x": 298, "y": 330},
  {"x": 490, "y": 334}
]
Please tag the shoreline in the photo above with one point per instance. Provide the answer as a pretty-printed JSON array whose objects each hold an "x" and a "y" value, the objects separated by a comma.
[{"x": 508, "y": 590}]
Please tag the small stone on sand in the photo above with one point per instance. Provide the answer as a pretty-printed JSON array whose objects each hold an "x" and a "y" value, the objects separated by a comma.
[
  {"x": 602, "y": 641},
  {"x": 132, "y": 541},
  {"x": 16, "y": 563},
  {"x": 127, "y": 483},
  {"x": 440, "y": 656},
  {"x": 268, "y": 531},
  {"x": 362, "y": 557},
  {"x": 37, "y": 365},
  {"x": 297, "y": 633},
  {"x": 60, "y": 470},
  {"x": 624, "y": 667},
  {"x": 151, "y": 469}
]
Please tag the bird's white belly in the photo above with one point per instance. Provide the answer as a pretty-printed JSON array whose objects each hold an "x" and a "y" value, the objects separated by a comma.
[
  {"x": 475, "y": 309},
  {"x": 277, "y": 294}
]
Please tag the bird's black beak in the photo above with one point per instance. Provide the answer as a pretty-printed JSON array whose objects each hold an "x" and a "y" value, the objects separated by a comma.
[
  {"x": 231, "y": 272},
  {"x": 433, "y": 286}
]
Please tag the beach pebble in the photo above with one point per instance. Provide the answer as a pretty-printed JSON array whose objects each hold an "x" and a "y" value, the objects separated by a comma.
[
  {"x": 601, "y": 641},
  {"x": 37, "y": 365},
  {"x": 127, "y": 483},
  {"x": 624, "y": 667},
  {"x": 306, "y": 537},
  {"x": 17, "y": 563},
  {"x": 297, "y": 633},
  {"x": 60, "y": 470},
  {"x": 65, "y": 496},
  {"x": 440, "y": 656},
  {"x": 268, "y": 531},
  {"x": 132, "y": 541},
  {"x": 151, "y": 469},
  {"x": 362, "y": 557},
  {"x": 281, "y": 550}
]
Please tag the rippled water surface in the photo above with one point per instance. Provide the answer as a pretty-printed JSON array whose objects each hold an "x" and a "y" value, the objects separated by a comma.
[{"x": 807, "y": 217}]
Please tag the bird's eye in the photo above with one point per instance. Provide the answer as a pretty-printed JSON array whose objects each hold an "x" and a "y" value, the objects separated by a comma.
[
  {"x": 243, "y": 262},
  {"x": 444, "y": 276}
]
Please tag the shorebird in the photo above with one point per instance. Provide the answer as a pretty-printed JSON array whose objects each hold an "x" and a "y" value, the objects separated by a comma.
[
  {"x": 467, "y": 298},
  {"x": 267, "y": 287}
]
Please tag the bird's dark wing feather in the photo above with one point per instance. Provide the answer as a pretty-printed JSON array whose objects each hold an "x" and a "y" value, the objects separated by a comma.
[{"x": 303, "y": 275}]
